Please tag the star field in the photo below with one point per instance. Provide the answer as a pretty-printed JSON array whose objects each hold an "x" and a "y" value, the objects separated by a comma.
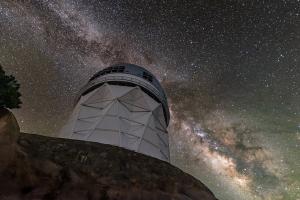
[{"x": 230, "y": 70}]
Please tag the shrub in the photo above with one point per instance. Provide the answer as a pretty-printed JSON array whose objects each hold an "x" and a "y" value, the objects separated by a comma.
[{"x": 9, "y": 94}]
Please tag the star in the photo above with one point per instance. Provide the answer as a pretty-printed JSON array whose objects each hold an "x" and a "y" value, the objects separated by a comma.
[{"x": 230, "y": 71}]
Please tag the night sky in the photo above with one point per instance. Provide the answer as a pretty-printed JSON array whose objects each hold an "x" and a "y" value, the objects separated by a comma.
[{"x": 230, "y": 70}]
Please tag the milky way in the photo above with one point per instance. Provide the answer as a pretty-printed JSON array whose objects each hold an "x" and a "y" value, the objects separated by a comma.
[{"x": 230, "y": 70}]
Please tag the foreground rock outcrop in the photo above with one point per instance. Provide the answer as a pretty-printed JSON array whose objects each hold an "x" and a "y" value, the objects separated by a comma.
[{"x": 37, "y": 167}]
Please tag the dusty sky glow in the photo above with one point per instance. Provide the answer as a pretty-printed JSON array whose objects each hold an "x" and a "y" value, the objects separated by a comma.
[{"x": 231, "y": 72}]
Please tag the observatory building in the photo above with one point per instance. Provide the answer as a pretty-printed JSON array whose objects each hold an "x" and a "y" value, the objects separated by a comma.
[{"x": 123, "y": 105}]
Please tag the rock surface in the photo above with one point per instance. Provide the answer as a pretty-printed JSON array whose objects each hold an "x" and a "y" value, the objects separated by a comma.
[{"x": 34, "y": 167}]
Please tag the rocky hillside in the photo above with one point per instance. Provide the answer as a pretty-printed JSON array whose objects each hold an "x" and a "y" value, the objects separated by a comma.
[{"x": 36, "y": 167}]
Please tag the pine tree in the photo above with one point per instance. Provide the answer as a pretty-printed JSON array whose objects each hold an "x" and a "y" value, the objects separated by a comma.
[{"x": 9, "y": 94}]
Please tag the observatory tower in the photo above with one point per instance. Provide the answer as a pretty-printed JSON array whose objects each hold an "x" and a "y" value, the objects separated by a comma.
[{"x": 123, "y": 105}]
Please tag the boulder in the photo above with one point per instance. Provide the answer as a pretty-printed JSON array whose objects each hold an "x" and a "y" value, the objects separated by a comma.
[{"x": 38, "y": 167}]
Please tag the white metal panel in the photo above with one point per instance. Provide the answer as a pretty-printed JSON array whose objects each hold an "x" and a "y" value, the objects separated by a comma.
[
  {"x": 129, "y": 141},
  {"x": 149, "y": 149},
  {"x": 102, "y": 93},
  {"x": 141, "y": 117},
  {"x": 159, "y": 116},
  {"x": 105, "y": 137},
  {"x": 81, "y": 125},
  {"x": 86, "y": 112},
  {"x": 109, "y": 123},
  {"x": 151, "y": 136},
  {"x": 118, "y": 91},
  {"x": 81, "y": 134},
  {"x": 135, "y": 97},
  {"x": 122, "y": 116}
]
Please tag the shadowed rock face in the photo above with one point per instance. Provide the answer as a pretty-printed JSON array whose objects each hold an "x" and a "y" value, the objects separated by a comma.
[{"x": 38, "y": 167}]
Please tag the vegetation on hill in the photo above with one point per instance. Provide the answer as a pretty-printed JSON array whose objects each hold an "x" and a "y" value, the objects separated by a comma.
[{"x": 9, "y": 91}]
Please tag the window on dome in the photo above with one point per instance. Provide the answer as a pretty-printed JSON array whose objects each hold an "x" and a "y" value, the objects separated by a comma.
[{"x": 147, "y": 76}]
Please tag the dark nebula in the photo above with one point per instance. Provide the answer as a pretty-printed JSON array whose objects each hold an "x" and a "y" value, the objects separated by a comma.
[{"x": 230, "y": 69}]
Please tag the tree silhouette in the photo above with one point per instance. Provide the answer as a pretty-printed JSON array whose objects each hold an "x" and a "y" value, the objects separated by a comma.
[{"x": 9, "y": 94}]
